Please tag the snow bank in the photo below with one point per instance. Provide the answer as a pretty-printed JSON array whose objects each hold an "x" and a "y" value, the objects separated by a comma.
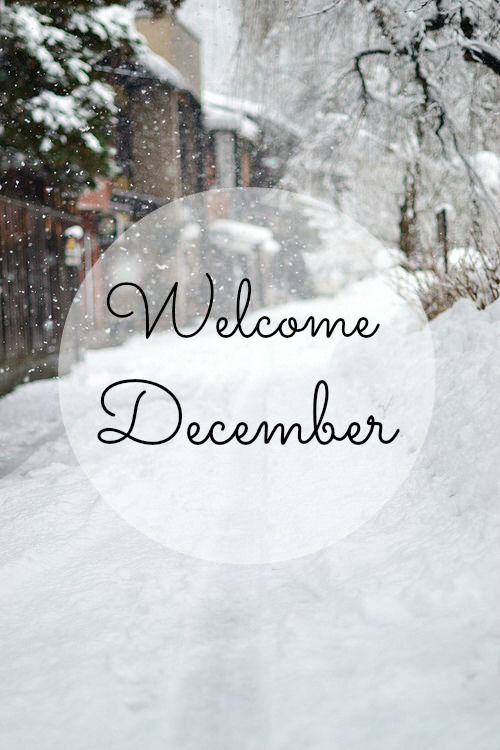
[
  {"x": 346, "y": 252},
  {"x": 389, "y": 639},
  {"x": 241, "y": 236}
]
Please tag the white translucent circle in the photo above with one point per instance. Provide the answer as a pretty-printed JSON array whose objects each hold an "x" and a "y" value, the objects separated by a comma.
[{"x": 259, "y": 502}]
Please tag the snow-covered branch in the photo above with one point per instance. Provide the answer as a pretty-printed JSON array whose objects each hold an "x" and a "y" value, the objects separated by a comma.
[
  {"x": 320, "y": 11},
  {"x": 359, "y": 70},
  {"x": 478, "y": 51}
]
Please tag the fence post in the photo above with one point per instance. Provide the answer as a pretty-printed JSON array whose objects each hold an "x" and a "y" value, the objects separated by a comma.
[{"x": 442, "y": 234}]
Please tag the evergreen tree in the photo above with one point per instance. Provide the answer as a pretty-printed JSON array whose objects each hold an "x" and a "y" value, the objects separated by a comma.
[{"x": 56, "y": 108}]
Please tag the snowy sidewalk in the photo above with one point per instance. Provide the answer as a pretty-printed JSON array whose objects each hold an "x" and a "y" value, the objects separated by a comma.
[
  {"x": 30, "y": 417},
  {"x": 389, "y": 639}
]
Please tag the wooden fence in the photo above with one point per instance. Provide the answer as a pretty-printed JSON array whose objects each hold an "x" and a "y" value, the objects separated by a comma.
[{"x": 35, "y": 290}]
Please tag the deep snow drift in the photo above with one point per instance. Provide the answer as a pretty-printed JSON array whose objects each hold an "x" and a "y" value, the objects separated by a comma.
[
  {"x": 266, "y": 500},
  {"x": 388, "y": 639}
]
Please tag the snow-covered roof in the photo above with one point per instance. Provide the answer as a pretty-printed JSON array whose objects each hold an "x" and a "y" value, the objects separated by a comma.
[
  {"x": 252, "y": 110},
  {"x": 221, "y": 118},
  {"x": 151, "y": 65},
  {"x": 160, "y": 69},
  {"x": 241, "y": 237}
]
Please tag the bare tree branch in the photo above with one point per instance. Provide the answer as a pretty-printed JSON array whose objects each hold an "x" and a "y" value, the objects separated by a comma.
[
  {"x": 320, "y": 11},
  {"x": 358, "y": 69},
  {"x": 477, "y": 51}
]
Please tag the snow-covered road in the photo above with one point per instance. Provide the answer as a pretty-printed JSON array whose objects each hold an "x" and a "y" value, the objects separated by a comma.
[{"x": 388, "y": 639}]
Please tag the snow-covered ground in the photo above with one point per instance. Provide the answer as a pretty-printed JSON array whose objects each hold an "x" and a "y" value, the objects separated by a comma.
[{"x": 388, "y": 639}]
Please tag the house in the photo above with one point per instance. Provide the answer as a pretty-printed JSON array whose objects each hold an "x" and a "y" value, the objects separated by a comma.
[
  {"x": 232, "y": 142},
  {"x": 159, "y": 131},
  {"x": 159, "y": 136},
  {"x": 245, "y": 146}
]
